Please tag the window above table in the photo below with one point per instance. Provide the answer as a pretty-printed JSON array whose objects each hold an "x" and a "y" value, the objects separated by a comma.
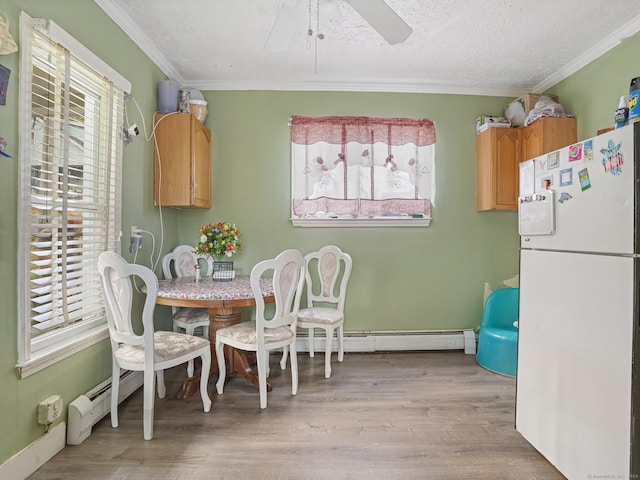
[{"x": 362, "y": 171}]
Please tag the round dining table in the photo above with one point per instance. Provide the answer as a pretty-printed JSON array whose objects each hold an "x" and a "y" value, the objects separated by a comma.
[{"x": 224, "y": 301}]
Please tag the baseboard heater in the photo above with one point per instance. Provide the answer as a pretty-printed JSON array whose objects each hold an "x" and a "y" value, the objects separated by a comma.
[
  {"x": 86, "y": 410},
  {"x": 386, "y": 341}
]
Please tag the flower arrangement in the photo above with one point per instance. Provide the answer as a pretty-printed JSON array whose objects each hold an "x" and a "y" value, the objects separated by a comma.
[{"x": 219, "y": 240}]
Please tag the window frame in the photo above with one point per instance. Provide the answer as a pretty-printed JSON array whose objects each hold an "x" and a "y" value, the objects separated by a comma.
[{"x": 38, "y": 352}]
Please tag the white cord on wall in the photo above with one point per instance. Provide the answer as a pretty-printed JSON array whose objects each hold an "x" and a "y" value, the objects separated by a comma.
[{"x": 147, "y": 138}]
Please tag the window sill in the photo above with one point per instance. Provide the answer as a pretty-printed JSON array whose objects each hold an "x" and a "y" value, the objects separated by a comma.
[
  {"x": 362, "y": 222},
  {"x": 51, "y": 355}
]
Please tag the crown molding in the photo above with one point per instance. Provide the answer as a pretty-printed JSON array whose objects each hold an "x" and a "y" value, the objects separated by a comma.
[
  {"x": 387, "y": 87},
  {"x": 627, "y": 30},
  {"x": 122, "y": 20}
]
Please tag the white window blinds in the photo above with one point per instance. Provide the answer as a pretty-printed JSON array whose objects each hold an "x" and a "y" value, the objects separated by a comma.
[{"x": 70, "y": 176}]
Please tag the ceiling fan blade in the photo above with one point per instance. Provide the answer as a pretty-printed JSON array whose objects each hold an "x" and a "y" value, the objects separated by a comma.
[
  {"x": 290, "y": 17},
  {"x": 383, "y": 19}
]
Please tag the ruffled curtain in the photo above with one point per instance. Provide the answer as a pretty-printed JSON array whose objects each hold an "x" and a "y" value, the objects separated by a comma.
[
  {"x": 351, "y": 167},
  {"x": 339, "y": 130}
]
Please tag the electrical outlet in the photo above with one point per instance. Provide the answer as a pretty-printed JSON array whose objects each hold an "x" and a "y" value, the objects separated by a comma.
[
  {"x": 136, "y": 239},
  {"x": 133, "y": 130},
  {"x": 136, "y": 244},
  {"x": 49, "y": 409},
  {"x": 133, "y": 246}
]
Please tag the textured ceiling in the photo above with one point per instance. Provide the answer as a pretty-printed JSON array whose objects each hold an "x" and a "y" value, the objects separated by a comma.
[{"x": 492, "y": 47}]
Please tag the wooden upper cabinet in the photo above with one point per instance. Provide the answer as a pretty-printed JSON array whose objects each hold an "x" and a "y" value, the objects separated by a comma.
[
  {"x": 546, "y": 135},
  {"x": 497, "y": 155},
  {"x": 499, "y": 152},
  {"x": 182, "y": 171}
]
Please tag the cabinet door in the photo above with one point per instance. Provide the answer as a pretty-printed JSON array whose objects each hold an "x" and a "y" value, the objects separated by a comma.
[
  {"x": 201, "y": 165},
  {"x": 498, "y": 154},
  {"x": 507, "y": 169},
  {"x": 532, "y": 140},
  {"x": 547, "y": 135},
  {"x": 172, "y": 160},
  {"x": 558, "y": 133},
  {"x": 182, "y": 162}
]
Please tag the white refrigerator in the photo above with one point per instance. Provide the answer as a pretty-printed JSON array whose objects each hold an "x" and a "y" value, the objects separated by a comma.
[{"x": 577, "y": 388}]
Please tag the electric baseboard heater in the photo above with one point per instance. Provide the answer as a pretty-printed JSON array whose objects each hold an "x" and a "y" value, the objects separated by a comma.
[{"x": 86, "y": 410}]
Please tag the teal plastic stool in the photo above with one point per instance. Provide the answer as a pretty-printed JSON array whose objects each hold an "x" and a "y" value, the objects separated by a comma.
[{"x": 498, "y": 338}]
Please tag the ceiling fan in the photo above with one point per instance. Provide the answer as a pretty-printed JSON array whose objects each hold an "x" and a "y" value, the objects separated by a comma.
[{"x": 377, "y": 13}]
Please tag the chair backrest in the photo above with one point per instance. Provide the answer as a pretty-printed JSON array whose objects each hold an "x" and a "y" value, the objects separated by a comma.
[
  {"x": 501, "y": 309},
  {"x": 286, "y": 272},
  {"x": 117, "y": 276},
  {"x": 183, "y": 259},
  {"x": 327, "y": 274}
]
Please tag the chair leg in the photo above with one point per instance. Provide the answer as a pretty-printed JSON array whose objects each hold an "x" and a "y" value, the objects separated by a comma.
[
  {"x": 327, "y": 352},
  {"x": 189, "y": 331},
  {"x": 204, "y": 379},
  {"x": 283, "y": 360},
  {"x": 222, "y": 368},
  {"x": 294, "y": 369},
  {"x": 162, "y": 390},
  {"x": 267, "y": 366},
  {"x": 190, "y": 368},
  {"x": 340, "y": 335},
  {"x": 311, "y": 349},
  {"x": 115, "y": 389},
  {"x": 149, "y": 398},
  {"x": 262, "y": 377}
]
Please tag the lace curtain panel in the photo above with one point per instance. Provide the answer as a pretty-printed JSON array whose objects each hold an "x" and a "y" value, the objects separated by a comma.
[{"x": 362, "y": 167}]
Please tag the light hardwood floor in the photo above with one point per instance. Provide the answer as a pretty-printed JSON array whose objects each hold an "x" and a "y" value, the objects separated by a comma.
[{"x": 387, "y": 416}]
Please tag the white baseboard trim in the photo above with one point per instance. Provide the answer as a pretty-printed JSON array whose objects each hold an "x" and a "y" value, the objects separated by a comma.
[
  {"x": 36, "y": 454},
  {"x": 396, "y": 341}
]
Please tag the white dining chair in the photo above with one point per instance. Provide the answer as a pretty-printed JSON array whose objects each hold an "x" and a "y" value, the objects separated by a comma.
[
  {"x": 150, "y": 352},
  {"x": 270, "y": 330},
  {"x": 327, "y": 274},
  {"x": 181, "y": 262}
]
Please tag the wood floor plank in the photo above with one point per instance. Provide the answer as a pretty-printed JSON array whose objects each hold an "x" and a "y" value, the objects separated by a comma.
[{"x": 405, "y": 416}]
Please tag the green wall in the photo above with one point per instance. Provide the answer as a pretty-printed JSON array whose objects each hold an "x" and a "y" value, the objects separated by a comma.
[
  {"x": 77, "y": 374},
  {"x": 407, "y": 278},
  {"x": 403, "y": 278},
  {"x": 592, "y": 94}
]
